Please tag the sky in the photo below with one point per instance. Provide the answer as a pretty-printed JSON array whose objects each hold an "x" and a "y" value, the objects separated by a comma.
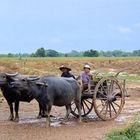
[{"x": 66, "y": 25}]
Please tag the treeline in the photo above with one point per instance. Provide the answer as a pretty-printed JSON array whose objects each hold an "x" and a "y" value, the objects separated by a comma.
[{"x": 41, "y": 52}]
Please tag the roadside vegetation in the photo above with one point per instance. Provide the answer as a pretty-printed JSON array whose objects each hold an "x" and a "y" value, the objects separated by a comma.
[
  {"x": 130, "y": 132},
  {"x": 42, "y": 52}
]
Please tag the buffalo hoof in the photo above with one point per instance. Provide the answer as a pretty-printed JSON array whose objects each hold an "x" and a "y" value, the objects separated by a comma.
[
  {"x": 16, "y": 119},
  {"x": 11, "y": 118},
  {"x": 66, "y": 119},
  {"x": 48, "y": 124},
  {"x": 44, "y": 116},
  {"x": 63, "y": 122},
  {"x": 52, "y": 116},
  {"x": 39, "y": 117},
  {"x": 79, "y": 120}
]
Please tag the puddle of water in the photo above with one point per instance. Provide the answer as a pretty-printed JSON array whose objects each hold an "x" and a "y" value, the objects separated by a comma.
[
  {"x": 90, "y": 118},
  {"x": 94, "y": 117},
  {"x": 132, "y": 110},
  {"x": 70, "y": 123},
  {"x": 55, "y": 122},
  {"x": 59, "y": 121},
  {"x": 126, "y": 119},
  {"x": 123, "y": 119},
  {"x": 40, "y": 122},
  {"x": 29, "y": 120}
]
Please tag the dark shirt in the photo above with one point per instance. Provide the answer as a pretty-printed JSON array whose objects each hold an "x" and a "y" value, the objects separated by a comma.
[{"x": 67, "y": 74}]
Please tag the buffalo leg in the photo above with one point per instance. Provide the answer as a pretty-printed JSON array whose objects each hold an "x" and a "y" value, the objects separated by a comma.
[
  {"x": 48, "y": 110},
  {"x": 16, "y": 111},
  {"x": 68, "y": 110},
  {"x": 11, "y": 117},
  {"x": 78, "y": 105},
  {"x": 43, "y": 112},
  {"x": 40, "y": 111}
]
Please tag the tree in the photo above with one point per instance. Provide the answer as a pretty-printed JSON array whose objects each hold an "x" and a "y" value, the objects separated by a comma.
[
  {"x": 74, "y": 53},
  {"x": 118, "y": 53},
  {"x": 40, "y": 52},
  {"x": 52, "y": 53},
  {"x": 136, "y": 53},
  {"x": 10, "y": 55},
  {"x": 91, "y": 53},
  {"x": 32, "y": 55},
  {"x": 115, "y": 53}
]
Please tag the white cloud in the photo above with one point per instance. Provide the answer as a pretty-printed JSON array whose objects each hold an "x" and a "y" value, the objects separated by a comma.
[{"x": 121, "y": 29}]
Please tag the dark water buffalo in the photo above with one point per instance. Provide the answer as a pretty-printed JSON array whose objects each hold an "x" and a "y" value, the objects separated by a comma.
[
  {"x": 14, "y": 96},
  {"x": 50, "y": 91}
]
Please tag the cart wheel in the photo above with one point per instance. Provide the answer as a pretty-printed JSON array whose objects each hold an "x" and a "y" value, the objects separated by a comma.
[
  {"x": 108, "y": 98},
  {"x": 86, "y": 106}
]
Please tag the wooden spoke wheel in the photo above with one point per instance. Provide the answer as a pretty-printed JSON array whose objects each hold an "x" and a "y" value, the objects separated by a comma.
[
  {"x": 108, "y": 98},
  {"x": 86, "y": 105}
]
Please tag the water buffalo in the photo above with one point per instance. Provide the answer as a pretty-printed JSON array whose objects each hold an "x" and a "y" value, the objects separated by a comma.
[
  {"x": 50, "y": 90},
  {"x": 14, "y": 96}
]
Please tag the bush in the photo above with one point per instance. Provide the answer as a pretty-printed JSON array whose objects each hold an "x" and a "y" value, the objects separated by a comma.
[
  {"x": 91, "y": 53},
  {"x": 131, "y": 132}
]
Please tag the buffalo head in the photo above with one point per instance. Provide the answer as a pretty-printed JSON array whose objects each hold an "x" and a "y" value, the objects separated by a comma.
[
  {"x": 26, "y": 83},
  {"x": 6, "y": 77}
]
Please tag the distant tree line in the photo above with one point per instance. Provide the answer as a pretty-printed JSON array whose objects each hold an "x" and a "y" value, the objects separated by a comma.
[{"x": 41, "y": 52}]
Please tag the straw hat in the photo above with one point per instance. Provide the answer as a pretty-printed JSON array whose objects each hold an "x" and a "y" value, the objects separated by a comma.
[
  {"x": 87, "y": 66},
  {"x": 65, "y": 67}
]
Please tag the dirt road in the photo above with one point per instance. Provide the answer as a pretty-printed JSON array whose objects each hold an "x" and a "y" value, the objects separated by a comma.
[{"x": 30, "y": 128}]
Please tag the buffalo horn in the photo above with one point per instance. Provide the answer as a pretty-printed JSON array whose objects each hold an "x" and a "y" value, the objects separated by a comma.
[
  {"x": 12, "y": 75},
  {"x": 42, "y": 84},
  {"x": 32, "y": 78}
]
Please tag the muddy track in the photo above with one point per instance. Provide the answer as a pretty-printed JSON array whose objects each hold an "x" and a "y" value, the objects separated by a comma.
[{"x": 30, "y": 128}]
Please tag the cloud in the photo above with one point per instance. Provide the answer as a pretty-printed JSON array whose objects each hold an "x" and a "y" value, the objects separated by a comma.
[{"x": 120, "y": 29}]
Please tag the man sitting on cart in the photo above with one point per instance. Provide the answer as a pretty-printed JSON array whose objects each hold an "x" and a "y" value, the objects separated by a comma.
[
  {"x": 85, "y": 77},
  {"x": 66, "y": 72}
]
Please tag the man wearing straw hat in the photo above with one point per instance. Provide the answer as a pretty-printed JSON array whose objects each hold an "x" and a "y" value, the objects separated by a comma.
[
  {"x": 85, "y": 77},
  {"x": 66, "y": 72}
]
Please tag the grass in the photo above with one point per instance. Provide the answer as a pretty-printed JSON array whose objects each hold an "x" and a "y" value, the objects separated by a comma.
[
  {"x": 135, "y": 78},
  {"x": 131, "y": 78},
  {"x": 130, "y": 132},
  {"x": 50, "y": 65}
]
